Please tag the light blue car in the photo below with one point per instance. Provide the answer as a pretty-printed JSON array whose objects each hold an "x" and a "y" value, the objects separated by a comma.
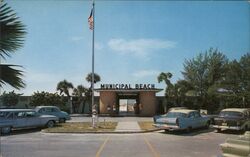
[
  {"x": 53, "y": 110},
  {"x": 182, "y": 119},
  {"x": 24, "y": 118}
]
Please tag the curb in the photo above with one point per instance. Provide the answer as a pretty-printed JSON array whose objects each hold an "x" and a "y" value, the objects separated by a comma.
[{"x": 105, "y": 132}]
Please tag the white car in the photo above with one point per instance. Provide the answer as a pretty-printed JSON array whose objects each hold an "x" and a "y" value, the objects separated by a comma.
[{"x": 24, "y": 118}]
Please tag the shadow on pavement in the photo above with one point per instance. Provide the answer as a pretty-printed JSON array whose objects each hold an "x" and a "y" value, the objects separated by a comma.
[
  {"x": 234, "y": 132},
  {"x": 22, "y": 131},
  {"x": 194, "y": 132}
]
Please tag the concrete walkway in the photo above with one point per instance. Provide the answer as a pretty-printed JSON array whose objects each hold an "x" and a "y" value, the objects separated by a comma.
[{"x": 127, "y": 126}]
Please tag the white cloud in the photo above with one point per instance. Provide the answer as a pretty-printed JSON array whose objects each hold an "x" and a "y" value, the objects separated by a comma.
[
  {"x": 139, "y": 47},
  {"x": 145, "y": 73}
]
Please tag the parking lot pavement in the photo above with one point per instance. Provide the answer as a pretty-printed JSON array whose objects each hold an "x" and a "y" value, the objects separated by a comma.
[{"x": 199, "y": 143}]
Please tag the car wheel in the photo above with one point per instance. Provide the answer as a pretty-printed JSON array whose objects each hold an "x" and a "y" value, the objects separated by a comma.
[
  {"x": 218, "y": 129},
  {"x": 207, "y": 125},
  {"x": 245, "y": 129},
  {"x": 62, "y": 120},
  {"x": 6, "y": 130},
  {"x": 189, "y": 129},
  {"x": 50, "y": 124}
]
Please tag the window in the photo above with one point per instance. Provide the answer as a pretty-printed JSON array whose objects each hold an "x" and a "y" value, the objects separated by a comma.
[
  {"x": 48, "y": 109},
  {"x": 55, "y": 110},
  {"x": 176, "y": 114},
  {"x": 191, "y": 115},
  {"x": 197, "y": 114},
  {"x": 42, "y": 110},
  {"x": 30, "y": 114},
  {"x": 20, "y": 114}
]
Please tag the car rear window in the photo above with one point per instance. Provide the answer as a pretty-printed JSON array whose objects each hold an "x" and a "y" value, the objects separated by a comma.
[
  {"x": 231, "y": 114},
  {"x": 176, "y": 114}
]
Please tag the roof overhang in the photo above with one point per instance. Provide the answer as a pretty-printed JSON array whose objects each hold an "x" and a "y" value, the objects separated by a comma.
[{"x": 128, "y": 90}]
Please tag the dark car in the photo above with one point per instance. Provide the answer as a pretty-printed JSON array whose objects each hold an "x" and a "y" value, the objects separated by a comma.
[{"x": 233, "y": 119}]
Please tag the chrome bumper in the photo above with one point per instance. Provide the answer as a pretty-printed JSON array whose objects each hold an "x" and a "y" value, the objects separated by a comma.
[
  {"x": 227, "y": 127},
  {"x": 167, "y": 127}
]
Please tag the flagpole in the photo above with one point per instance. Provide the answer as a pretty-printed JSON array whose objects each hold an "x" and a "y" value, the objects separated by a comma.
[{"x": 93, "y": 66}]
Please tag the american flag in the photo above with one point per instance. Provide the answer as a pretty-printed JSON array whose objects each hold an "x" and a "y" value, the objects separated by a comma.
[{"x": 91, "y": 20}]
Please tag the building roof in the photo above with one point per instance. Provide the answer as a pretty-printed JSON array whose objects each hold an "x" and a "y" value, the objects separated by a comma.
[{"x": 129, "y": 90}]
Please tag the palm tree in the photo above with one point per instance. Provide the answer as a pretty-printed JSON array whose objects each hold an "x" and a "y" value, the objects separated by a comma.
[
  {"x": 12, "y": 38},
  {"x": 166, "y": 78},
  {"x": 97, "y": 78},
  {"x": 63, "y": 87},
  {"x": 83, "y": 95}
]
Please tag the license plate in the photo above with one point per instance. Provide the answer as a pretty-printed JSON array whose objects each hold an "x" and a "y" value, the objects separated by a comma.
[{"x": 224, "y": 124}]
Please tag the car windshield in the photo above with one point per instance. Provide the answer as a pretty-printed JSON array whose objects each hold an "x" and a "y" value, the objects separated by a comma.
[
  {"x": 231, "y": 114},
  {"x": 175, "y": 114}
]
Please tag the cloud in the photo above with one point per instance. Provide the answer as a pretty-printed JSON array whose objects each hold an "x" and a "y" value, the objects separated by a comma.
[
  {"x": 145, "y": 73},
  {"x": 139, "y": 47}
]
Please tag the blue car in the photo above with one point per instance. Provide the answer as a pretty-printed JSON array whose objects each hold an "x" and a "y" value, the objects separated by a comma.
[
  {"x": 183, "y": 119},
  {"x": 53, "y": 110}
]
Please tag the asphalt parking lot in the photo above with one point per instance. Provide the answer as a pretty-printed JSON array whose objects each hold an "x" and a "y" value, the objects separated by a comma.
[{"x": 33, "y": 143}]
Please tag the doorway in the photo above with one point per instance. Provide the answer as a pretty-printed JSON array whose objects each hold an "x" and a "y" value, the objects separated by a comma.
[
  {"x": 127, "y": 104},
  {"x": 127, "y": 107}
]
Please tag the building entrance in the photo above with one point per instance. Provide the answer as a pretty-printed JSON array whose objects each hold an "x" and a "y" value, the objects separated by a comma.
[{"x": 127, "y": 104}]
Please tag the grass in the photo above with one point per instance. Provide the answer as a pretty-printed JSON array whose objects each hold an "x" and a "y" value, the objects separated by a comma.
[
  {"x": 146, "y": 125},
  {"x": 81, "y": 127}
]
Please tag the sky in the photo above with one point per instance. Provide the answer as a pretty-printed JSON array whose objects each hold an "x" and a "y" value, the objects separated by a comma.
[{"x": 134, "y": 40}]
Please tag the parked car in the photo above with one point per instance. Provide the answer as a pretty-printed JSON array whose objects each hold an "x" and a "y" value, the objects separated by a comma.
[
  {"x": 181, "y": 120},
  {"x": 233, "y": 119},
  {"x": 237, "y": 146},
  {"x": 176, "y": 108},
  {"x": 53, "y": 110},
  {"x": 24, "y": 118}
]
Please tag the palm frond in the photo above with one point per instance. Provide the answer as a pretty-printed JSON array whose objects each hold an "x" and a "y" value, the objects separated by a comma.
[
  {"x": 11, "y": 76},
  {"x": 12, "y": 31}
]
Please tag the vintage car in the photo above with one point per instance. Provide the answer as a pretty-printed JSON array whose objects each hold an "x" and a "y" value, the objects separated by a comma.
[
  {"x": 24, "y": 118},
  {"x": 237, "y": 146},
  {"x": 181, "y": 120},
  {"x": 53, "y": 110},
  {"x": 233, "y": 119}
]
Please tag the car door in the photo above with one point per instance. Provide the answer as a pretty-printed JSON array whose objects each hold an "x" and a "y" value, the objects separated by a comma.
[
  {"x": 32, "y": 120},
  {"x": 191, "y": 120},
  {"x": 20, "y": 119},
  {"x": 198, "y": 120}
]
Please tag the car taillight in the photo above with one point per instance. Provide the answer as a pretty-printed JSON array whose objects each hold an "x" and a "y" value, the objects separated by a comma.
[{"x": 177, "y": 121}]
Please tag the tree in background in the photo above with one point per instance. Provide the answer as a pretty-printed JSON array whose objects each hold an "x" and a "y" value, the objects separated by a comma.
[
  {"x": 169, "y": 86},
  {"x": 12, "y": 33},
  {"x": 205, "y": 73},
  {"x": 10, "y": 99},
  {"x": 88, "y": 78},
  {"x": 49, "y": 99},
  {"x": 82, "y": 94},
  {"x": 63, "y": 87}
]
